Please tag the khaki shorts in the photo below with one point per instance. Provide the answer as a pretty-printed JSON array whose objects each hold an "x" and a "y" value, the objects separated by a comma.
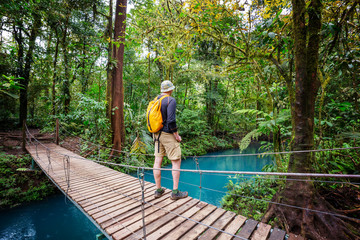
[{"x": 168, "y": 146}]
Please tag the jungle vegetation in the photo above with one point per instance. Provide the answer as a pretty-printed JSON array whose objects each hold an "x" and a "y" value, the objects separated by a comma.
[{"x": 285, "y": 71}]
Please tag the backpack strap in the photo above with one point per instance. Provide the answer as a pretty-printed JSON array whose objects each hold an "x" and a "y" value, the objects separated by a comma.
[{"x": 158, "y": 140}]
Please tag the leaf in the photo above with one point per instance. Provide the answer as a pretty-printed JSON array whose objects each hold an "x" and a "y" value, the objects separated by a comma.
[
  {"x": 10, "y": 94},
  {"x": 271, "y": 35}
]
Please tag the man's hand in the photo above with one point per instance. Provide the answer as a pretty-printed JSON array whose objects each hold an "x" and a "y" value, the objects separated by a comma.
[{"x": 177, "y": 136}]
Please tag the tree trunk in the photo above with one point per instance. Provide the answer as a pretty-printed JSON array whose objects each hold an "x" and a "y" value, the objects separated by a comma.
[
  {"x": 54, "y": 76},
  {"x": 302, "y": 194},
  {"x": 20, "y": 72},
  {"x": 84, "y": 79},
  {"x": 117, "y": 117},
  {"x": 66, "y": 82},
  {"x": 25, "y": 71},
  {"x": 109, "y": 65}
]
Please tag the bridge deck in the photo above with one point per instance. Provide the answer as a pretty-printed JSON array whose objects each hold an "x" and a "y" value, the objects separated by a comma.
[{"x": 112, "y": 201}]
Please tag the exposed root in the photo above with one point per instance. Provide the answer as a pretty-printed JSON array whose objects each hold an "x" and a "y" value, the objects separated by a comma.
[{"x": 310, "y": 224}]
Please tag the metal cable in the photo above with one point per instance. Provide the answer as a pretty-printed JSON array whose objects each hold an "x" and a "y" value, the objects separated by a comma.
[
  {"x": 242, "y": 154},
  {"x": 169, "y": 212},
  {"x": 142, "y": 184},
  {"x": 283, "y": 179},
  {"x": 232, "y": 172},
  {"x": 221, "y": 172},
  {"x": 49, "y": 159},
  {"x": 93, "y": 204},
  {"x": 187, "y": 218},
  {"x": 257, "y": 199}
]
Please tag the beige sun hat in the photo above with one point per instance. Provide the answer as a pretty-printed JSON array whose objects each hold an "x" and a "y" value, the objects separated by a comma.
[{"x": 167, "y": 86}]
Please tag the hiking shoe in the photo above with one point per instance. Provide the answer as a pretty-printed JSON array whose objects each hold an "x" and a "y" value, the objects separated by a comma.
[
  {"x": 159, "y": 192},
  {"x": 175, "y": 195}
]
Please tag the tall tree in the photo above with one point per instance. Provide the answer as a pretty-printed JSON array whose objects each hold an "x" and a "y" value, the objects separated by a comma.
[
  {"x": 117, "y": 103},
  {"x": 310, "y": 224},
  {"x": 108, "y": 35},
  {"x": 24, "y": 65}
]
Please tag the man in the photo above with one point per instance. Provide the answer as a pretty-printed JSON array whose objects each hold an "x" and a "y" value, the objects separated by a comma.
[{"x": 167, "y": 143}]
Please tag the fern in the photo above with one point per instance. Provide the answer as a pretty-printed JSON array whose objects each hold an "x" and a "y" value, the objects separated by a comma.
[
  {"x": 138, "y": 146},
  {"x": 244, "y": 143},
  {"x": 253, "y": 112}
]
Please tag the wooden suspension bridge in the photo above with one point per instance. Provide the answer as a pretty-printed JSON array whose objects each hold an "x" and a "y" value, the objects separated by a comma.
[{"x": 123, "y": 207}]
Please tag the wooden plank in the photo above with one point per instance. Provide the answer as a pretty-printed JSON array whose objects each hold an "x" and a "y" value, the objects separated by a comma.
[
  {"x": 99, "y": 189},
  {"x": 185, "y": 227},
  {"x": 277, "y": 234},
  {"x": 135, "y": 215},
  {"x": 199, "y": 228},
  {"x": 120, "y": 204},
  {"x": 262, "y": 232},
  {"x": 102, "y": 178},
  {"x": 295, "y": 237},
  {"x": 150, "y": 228},
  {"x": 105, "y": 197},
  {"x": 81, "y": 194},
  {"x": 247, "y": 229},
  {"x": 233, "y": 227},
  {"x": 169, "y": 226},
  {"x": 114, "y": 187},
  {"x": 137, "y": 226},
  {"x": 109, "y": 202},
  {"x": 219, "y": 224},
  {"x": 86, "y": 183}
]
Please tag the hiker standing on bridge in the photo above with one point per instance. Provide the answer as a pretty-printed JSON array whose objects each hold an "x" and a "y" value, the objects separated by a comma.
[{"x": 167, "y": 142}]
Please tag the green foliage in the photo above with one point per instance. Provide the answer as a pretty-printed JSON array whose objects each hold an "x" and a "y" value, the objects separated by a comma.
[
  {"x": 249, "y": 197},
  {"x": 7, "y": 84},
  {"x": 340, "y": 162},
  {"x": 88, "y": 121},
  {"x": 245, "y": 141},
  {"x": 19, "y": 187},
  {"x": 192, "y": 124}
]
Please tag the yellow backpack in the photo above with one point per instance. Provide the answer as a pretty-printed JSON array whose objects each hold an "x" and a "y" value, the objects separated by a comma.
[{"x": 153, "y": 115}]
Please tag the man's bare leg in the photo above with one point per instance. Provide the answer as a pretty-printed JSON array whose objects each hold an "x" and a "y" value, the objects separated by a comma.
[
  {"x": 157, "y": 173},
  {"x": 176, "y": 164}
]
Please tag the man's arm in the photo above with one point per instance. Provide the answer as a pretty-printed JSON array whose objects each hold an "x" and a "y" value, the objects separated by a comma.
[
  {"x": 177, "y": 136},
  {"x": 171, "y": 119}
]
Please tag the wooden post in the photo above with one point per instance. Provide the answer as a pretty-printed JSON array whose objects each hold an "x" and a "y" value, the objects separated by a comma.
[
  {"x": 23, "y": 136},
  {"x": 57, "y": 132}
]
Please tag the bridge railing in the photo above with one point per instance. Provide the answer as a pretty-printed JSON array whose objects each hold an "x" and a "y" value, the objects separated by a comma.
[{"x": 31, "y": 140}]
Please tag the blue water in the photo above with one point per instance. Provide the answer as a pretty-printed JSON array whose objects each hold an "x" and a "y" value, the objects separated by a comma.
[
  {"x": 48, "y": 219},
  {"x": 56, "y": 219},
  {"x": 213, "y": 184}
]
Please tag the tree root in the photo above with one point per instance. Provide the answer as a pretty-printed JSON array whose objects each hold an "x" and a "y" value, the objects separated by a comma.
[{"x": 309, "y": 224}]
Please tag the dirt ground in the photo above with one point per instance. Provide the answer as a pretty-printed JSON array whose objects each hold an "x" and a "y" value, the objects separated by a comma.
[{"x": 11, "y": 140}]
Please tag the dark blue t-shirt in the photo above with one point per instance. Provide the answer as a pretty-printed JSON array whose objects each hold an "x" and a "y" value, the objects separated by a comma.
[{"x": 168, "y": 109}]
